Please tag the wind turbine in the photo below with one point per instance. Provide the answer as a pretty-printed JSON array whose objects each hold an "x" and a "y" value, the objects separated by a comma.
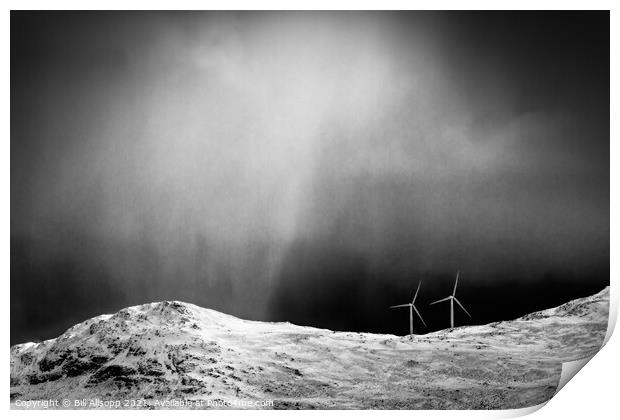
[
  {"x": 452, "y": 298},
  {"x": 411, "y": 309}
]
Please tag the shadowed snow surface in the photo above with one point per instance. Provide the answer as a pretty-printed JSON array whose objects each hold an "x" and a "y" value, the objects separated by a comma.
[{"x": 179, "y": 350}]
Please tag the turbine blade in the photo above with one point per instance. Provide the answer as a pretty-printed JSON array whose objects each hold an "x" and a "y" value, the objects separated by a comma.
[
  {"x": 416, "y": 311},
  {"x": 456, "y": 282},
  {"x": 441, "y": 300},
  {"x": 462, "y": 307},
  {"x": 416, "y": 293},
  {"x": 400, "y": 306}
]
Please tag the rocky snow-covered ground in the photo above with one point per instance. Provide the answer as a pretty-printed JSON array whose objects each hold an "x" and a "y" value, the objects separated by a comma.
[{"x": 178, "y": 350}]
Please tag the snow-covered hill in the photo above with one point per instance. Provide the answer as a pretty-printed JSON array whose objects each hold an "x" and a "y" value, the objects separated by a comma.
[{"x": 169, "y": 350}]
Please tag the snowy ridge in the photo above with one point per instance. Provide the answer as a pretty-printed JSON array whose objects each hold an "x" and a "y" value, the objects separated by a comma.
[{"x": 180, "y": 350}]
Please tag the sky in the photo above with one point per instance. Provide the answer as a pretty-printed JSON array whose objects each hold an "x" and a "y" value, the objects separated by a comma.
[{"x": 309, "y": 167}]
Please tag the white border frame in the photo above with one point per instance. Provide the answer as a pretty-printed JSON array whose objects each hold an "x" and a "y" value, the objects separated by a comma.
[{"x": 592, "y": 393}]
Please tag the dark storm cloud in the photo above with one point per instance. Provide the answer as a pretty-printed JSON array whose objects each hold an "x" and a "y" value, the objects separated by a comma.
[{"x": 273, "y": 165}]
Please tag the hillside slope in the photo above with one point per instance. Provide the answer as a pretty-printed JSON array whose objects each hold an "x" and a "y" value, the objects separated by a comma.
[{"x": 178, "y": 350}]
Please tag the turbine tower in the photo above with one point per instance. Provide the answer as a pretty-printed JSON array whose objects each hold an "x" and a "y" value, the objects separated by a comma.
[
  {"x": 452, "y": 298},
  {"x": 411, "y": 309}
]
